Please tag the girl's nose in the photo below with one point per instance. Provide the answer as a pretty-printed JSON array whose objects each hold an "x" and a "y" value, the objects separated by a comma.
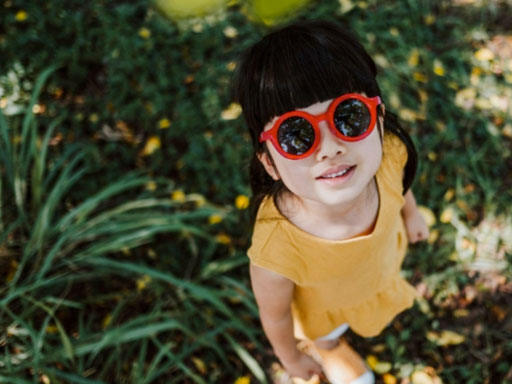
[{"x": 329, "y": 145}]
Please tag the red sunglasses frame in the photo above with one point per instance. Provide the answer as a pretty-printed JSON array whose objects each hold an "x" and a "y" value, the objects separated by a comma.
[{"x": 370, "y": 102}]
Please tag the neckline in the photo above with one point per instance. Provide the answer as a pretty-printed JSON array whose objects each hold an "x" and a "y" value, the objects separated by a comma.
[{"x": 356, "y": 238}]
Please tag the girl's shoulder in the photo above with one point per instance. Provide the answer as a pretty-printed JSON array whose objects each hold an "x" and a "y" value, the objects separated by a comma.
[
  {"x": 270, "y": 246},
  {"x": 394, "y": 152}
]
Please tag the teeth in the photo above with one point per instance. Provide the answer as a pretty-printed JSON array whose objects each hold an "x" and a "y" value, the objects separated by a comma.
[{"x": 340, "y": 173}]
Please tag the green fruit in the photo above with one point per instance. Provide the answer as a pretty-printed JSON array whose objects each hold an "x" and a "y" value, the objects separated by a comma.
[
  {"x": 181, "y": 9},
  {"x": 272, "y": 11}
]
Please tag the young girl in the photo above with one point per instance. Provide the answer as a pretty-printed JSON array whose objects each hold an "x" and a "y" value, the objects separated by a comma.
[{"x": 330, "y": 178}]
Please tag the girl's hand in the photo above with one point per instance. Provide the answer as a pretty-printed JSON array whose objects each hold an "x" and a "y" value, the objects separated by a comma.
[
  {"x": 417, "y": 229},
  {"x": 304, "y": 367}
]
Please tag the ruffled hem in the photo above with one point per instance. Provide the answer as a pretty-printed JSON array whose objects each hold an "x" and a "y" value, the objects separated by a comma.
[{"x": 367, "y": 319}]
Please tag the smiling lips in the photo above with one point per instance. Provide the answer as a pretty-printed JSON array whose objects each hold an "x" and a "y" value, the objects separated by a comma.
[{"x": 336, "y": 172}]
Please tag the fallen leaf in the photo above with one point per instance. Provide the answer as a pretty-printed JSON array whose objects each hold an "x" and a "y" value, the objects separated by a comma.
[{"x": 200, "y": 365}]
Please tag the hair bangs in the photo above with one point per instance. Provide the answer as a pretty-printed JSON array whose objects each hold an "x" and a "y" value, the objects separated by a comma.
[{"x": 295, "y": 68}]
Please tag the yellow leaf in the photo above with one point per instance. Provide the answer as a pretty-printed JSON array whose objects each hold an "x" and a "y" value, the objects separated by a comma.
[
  {"x": 461, "y": 312},
  {"x": 450, "y": 338},
  {"x": 93, "y": 118},
  {"x": 142, "y": 282},
  {"x": 178, "y": 195},
  {"x": 449, "y": 194},
  {"x": 428, "y": 215},
  {"x": 476, "y": 71},
  {"x": 381, "y": 60},
  {"x": 379, "y": 348},
  {"x": 144, "y": 33},
  {"x": 432, "y": 336},
  {"x": 382, "y": 367},
  {"x": 438, "y": 68},
  {"x": 372, "y": 361},
  {"x": 222, "y": 238},
  {"x": 453, "y": 85},
  {"x": 433, "y": 236},
  {"x": 414, "y": 58},
  {"x": 407, "y": 114},
  {"x": 445, "y": 338},
  {"x": 423, "y": 95},
  {"x": 200, "y": 365},
  {"x": 151, "y": 186},
  {"x": 106, "y": 320},
  {"x": 230, "y": 32},
  {"x": 151, "y": 146},
  {"x": 21, "y": 16},
  {"x": 197, "y": 198},
  {"x": 507, "y": 131},
  {"x": 231, "y": 112},
  {"x": 430, "y": 19},
  {"x": 446, "y": 215},
  {"x": 13, "y": 267},
  {"x": 465, "y": 98},
  {"x": 388, "y": 378},
  {"x": 241, "y": 202},
  {"x": 243, "y": 380},
  {"x": 346, "y": 5},
  {"x": 164, "y": 123},
  {"x": 214, "y": 219},
  {"x": 52, "y": 329},
  {"x": 394, "y": 31},
  {"x": 420, "y": 77},
  {"x": 484, "y": 54}
]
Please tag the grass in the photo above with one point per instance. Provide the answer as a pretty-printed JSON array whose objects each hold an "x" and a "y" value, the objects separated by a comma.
[{"x": 125, "y": 263}]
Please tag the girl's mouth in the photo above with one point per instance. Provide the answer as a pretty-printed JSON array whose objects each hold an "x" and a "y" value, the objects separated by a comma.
[{"x": 337, "y": 177}]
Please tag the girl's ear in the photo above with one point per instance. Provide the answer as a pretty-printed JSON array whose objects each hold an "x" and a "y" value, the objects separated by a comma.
[{"x": 268, "y": 164}]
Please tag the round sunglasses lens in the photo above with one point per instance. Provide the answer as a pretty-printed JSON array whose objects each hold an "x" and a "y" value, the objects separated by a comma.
[
  {"x": 296, "y": 135},
  {"x": 352, "y": 118}
]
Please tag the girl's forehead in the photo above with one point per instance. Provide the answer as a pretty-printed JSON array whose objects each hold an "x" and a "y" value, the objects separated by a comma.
[
  {"x": 317, "y": 108},
  {"x": 314, "y": 109}
]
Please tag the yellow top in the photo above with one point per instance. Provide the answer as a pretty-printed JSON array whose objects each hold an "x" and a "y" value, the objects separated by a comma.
[{"x": 355, "y": 281}]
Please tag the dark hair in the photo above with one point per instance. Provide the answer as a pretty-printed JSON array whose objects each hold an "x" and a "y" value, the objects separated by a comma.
[{"x": 299, "y": 65}]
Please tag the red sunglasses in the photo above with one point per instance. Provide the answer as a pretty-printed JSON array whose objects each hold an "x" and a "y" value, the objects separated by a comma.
[{"x": 351, "y": 117}]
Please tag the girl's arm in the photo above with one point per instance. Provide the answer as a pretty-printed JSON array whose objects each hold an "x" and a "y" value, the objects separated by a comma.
[
  {"x": 415, "y": 225},
  {"x": 274, "y": 294}
]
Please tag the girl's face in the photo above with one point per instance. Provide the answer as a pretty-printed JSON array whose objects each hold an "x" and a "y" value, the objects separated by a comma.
[{"x": 337, "y": 172}]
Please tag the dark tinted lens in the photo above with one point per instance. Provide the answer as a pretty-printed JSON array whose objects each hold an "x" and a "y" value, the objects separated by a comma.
[
  {"x": 352, "y": 118},
  {"x": 296, "y": 135}
]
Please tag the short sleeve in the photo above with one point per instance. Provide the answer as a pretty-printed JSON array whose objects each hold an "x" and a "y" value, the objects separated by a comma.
[
  {"x": 394, "y": 158},
  {"x": 394, "y": 151},
  {"x": 271, "y": 247}
]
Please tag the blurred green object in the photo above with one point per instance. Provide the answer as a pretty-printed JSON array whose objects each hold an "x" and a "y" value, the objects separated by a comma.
[
  {"x": 181, "y": 9},
  {"x": 271, "y": 12}
]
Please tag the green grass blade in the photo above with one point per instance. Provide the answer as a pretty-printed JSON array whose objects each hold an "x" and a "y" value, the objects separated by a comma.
[
  {"x": 6, "y": 149},
  {"x": 197, "y": 291},
  {"x": 70, "y": 377},
  {"x": 66, "y": 343},
  {"x": 246, "y": 357},
  {"x": 39, "y": 166},
  {"x": 84, "y": 209},
  {"x": 124, "y": 334},
  {"x": 29, "y": 144}
]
